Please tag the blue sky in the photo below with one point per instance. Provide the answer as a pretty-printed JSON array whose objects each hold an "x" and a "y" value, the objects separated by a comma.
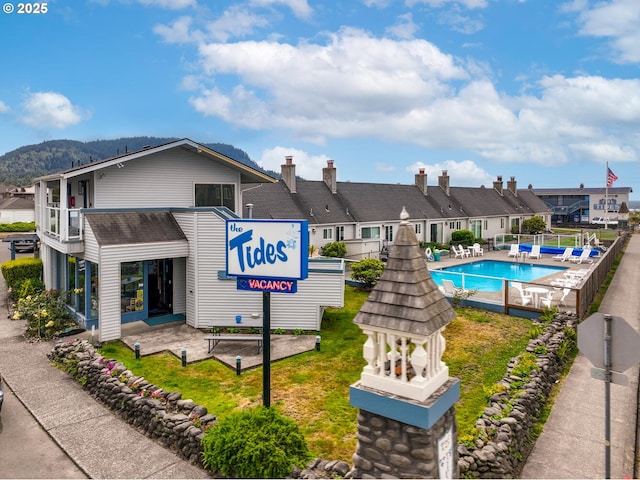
[{"x": 543, "y": 90}]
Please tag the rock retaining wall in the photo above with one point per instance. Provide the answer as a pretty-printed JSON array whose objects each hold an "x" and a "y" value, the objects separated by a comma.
[{"x": 505, "y": 428}]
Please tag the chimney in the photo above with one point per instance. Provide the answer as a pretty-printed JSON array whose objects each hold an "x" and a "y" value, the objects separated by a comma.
[
  {"x": 511, "y": 185},
  {"x": 421, "y": 181},
  {"x": 288, "y": 172},
  {"x": 443, "y": 182},
  {"x": 329, "y": 176},
  {"x": 497, "y": 185}
]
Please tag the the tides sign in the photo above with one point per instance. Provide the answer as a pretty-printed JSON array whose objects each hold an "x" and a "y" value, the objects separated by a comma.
[{"x": 267, "y": 255}]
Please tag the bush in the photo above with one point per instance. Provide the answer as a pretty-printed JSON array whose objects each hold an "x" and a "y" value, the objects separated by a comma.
[
  {"x": 255, "y": 443},
  {"x": 464, "y": 237},
  {"x": 334, "y": 249},
  {"x": 18, "y": 227},
  {"x": 367, "y": 271},
  {"x": 46, "y": 314},
  {"x": 16, "y": 272},
  {"x": 534, "y": 225}
]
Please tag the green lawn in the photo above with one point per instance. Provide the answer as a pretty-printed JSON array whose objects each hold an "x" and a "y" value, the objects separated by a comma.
[{"x": 313, "y": 388}]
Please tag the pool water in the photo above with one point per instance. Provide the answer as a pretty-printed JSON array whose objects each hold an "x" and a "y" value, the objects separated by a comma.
[{"x": 488, "y": 275}]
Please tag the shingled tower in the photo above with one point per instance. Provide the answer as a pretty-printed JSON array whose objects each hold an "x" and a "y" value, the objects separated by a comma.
[{"x": 406, "y": 424}]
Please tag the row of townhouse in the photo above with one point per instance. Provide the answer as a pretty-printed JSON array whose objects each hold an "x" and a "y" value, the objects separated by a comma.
[
  {"x": 366, "y": 215},
  {"x": 143, "y": 235}
]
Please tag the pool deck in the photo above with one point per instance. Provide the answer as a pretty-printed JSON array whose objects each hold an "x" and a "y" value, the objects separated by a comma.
[{"x": 503, "y": 255}]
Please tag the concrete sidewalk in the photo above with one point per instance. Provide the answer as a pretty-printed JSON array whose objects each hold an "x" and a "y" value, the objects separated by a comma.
[{"x": 572, "y": 444}]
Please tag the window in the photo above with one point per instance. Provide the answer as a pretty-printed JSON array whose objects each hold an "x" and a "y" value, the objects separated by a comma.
[
  {"x": 476, "y": 228},
  {"x": 455, "y": 225},
  {"x": 215, "y": 195},
  {"x": 388, "y": 233},
  {"x": 340, "y": 233},
  {"x": 327, "y": 233},
  {"x": 370, "y": 232},
  {"x": 418, "y": 228},
  {"x": 131, "y": 286}
]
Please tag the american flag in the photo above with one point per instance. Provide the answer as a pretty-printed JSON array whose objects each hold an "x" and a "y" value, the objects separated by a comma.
[{"x": 611, "y": 177}]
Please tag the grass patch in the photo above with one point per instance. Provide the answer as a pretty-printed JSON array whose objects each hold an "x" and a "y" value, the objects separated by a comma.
[{"x": 313, "y": 388}]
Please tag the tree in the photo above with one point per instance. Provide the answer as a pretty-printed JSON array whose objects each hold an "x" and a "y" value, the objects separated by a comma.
[
  {"x": 367, "y": 271},
  {"x": 534, "y": 225}
]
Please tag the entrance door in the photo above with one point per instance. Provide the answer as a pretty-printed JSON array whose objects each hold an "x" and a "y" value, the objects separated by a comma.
[{"x": 160, "y": 281}]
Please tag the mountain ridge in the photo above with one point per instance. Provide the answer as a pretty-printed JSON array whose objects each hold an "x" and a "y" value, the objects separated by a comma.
[{"x": 20, "y": 166}]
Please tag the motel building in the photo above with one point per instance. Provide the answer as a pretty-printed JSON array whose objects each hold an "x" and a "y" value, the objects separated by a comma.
[{"x": 143, "y": 236}]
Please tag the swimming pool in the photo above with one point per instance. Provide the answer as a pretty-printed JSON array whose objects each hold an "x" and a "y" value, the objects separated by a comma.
[{"x": 488, "y": 275}]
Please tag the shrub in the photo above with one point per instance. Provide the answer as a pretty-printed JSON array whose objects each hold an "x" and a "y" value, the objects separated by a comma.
[
  {"x": 255, "y": 443},
  {"x": 534, "y": 225},
  {"x": 367, "y": 271},
  {"x": 18, "y": 227},
  {"x": 464, "y": 237},
  {"x": 46, "y": 314},
  {"x": 334, "y": 249},
  {"x": 15, "y": 272}
]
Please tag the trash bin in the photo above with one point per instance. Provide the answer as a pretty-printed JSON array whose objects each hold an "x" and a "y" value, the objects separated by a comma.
[{"x": 436, "y": 256}]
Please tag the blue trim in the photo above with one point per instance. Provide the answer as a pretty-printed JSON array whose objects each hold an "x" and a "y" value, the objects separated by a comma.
[{"x": 411, "y": 412}]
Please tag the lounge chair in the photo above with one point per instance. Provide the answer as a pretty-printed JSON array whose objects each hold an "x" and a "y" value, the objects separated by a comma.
[
  {"x": 525, "y": 298},
  {"x": 514, "y": 250},
  {"x": 535, "y": 252},
  {"x": 465, "y": 251},
  {"x": 564, "y": 256},
  {"x": 583, "y": 257},
  {"x": 450, "y": 288},
  {"x": 547, "y": 300},
  {"x": 477, "y": 250}
]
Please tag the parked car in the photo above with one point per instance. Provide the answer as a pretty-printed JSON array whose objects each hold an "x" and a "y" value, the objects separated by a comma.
[
  {"x": 613, "y": 222},
  {"x": 1, "y": 392}
]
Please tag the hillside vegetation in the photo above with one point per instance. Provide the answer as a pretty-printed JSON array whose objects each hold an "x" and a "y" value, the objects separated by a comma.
[{"x": 19, "y": 167}]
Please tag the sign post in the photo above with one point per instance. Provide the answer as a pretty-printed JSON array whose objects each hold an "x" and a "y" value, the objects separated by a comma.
[
  {"x": 267, "y": 256},
  {"x": 611, "y": 345}
]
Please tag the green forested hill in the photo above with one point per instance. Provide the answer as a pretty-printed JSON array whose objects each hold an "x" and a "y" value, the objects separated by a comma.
[{"x": 22, "y": 165}]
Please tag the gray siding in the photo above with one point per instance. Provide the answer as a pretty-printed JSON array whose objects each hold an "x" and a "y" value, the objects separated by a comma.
[{"x": 171, "y": 174}]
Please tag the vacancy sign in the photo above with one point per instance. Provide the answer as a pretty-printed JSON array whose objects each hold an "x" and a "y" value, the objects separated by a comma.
[{"x": 267, "y": 255}]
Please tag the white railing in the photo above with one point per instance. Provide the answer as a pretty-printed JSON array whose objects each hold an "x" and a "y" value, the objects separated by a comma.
[
  {"x": 64, "y": 224},
  {"x": 403, "y": 363}
]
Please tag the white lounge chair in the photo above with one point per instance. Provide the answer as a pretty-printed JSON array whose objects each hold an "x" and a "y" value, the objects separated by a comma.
[
  {"x": 465, "y": 251},
  {"x": 514, "y": 250},
  {"x": 451, "y": 289},
  {"x": 563, "y": 257},
  {"x": 583, "y": 257},
  {"x": 535, "y": 252},
  {"x": 525, "y": 298},
  {"x": 547, "y": 300},
  {"x": 477, "y": 250}
]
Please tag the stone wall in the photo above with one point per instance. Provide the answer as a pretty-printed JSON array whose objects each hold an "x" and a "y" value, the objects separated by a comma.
[
  {"x": 164, "y": 416},
  {"x": 498, "y": 451},
  {"x": 505, "y": 428}
]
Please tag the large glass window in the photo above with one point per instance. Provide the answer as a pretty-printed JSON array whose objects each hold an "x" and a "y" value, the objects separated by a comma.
[
  {"x": 215, "y": 195},
  {"x": 476, "y": 228},
  {"x": 370, "y": 232},
  {"x": 131, "y": 286}
]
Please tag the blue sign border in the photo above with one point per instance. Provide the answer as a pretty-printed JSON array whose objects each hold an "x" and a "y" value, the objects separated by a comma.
[{"x": 304, "y": 248}]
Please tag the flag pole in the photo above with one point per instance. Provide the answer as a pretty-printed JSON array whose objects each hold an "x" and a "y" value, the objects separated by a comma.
[{"x": 606, "y": 198}]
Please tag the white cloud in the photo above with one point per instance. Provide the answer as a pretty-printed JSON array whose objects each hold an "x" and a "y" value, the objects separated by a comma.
[
  {"x": 235, "y": 22},
  {"x": 408, "y": 91},
  {"x": 169, "y": 4},
  {"x": 300, "y": 8},
  {"x": 442, "y": 3},
  {"x": 308, "y": 166},
  {"x": 4, "y": 108},
  {"x": 179, "y": 31},
  {"x": 50, "y": 110},
  {"x": 404, "y": 27},
  {"x": 618, "y": 20},
  {"x": 466, "y": 172}
]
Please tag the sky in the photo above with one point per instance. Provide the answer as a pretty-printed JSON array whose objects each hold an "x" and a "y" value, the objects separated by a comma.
[{"x": 546, "y": 91}]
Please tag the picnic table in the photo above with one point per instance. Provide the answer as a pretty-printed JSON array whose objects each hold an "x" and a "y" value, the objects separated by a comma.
[{"x": 216, "y": 338}]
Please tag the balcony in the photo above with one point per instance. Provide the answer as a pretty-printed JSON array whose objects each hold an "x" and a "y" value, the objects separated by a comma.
[{"x": 64, "y": 228}]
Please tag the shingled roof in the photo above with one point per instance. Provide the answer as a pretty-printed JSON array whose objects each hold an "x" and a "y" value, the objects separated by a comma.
[
  {"x": 406, "y": 299},
  {"x": 123, "y": 228}
]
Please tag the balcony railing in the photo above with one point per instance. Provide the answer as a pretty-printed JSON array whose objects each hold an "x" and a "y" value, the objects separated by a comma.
[{"x": 65, "y": 224}]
